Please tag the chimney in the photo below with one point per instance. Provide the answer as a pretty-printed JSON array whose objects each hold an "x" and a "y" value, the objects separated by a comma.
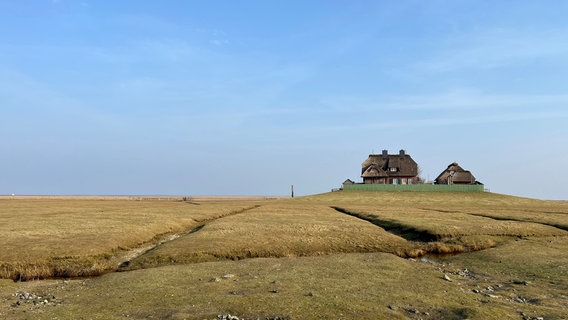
[
  {"x": 401, "y": 153},
  {"x": 385, "y": 153}
]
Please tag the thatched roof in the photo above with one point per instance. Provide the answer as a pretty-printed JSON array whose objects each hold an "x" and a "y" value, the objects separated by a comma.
[
  {"x": 374, "y": 172},
  {"x": 379, "y": 165},
  {"x": 454, "y": 174}
]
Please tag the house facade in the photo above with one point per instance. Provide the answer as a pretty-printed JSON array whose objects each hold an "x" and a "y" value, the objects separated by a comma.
[
  {"x": 388, "y": 168},
  {"x": 454, "y": 174}
]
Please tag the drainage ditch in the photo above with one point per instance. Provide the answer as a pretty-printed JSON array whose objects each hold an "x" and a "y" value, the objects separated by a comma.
[{"x": 404, "y": 231}]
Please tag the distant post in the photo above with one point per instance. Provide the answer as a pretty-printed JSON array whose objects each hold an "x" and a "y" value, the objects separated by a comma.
[{"x": 292, "y": 191}]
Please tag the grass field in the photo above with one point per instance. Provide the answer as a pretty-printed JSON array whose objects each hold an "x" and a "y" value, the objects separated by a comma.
[
  {"x": 341, "y": 255},
  {"x": 55, "y": 237},
  {"x": 280, "y": 230}
]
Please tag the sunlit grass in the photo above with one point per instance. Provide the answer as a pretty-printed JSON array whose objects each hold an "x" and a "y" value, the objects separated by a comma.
[
  {"x": 290, "y": 257},
  {"x": 453, "y": 224},
  {"x": 277, "y": 230},
  {"x": 43, "y": 238},
  {"x": 452, "y": 221}
]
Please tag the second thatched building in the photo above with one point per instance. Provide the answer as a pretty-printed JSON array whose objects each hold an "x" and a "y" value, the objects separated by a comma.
[{"x": 454, "y": 174}]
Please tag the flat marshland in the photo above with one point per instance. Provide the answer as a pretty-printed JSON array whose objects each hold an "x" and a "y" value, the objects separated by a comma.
[{"x": 341, "y": 255}]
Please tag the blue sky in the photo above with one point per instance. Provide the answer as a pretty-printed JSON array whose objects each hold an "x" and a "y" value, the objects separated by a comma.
[{"x": 250, "y": 97}]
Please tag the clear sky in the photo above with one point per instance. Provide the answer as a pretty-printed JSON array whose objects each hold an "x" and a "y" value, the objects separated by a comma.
[{"x": 250, "y": 97}]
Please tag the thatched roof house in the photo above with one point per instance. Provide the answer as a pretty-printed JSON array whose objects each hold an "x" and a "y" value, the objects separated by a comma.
[
  {"x": 454, "y": 174},
  {"x": 389, "y": 169}
]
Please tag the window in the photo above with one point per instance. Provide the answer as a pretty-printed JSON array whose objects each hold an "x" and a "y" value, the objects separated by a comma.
[{"x": 393, "y": 169}]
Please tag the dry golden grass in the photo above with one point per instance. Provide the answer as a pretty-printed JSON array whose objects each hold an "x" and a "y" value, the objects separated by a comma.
[
  {"x": 495, "y": 206},
  {"x": 277, "y": 230},
  {"x": 309, "y": 275},
  {"x": 436, "y": 200},
  {"x": 43, "y": 238},
  {"x": 86, "y": 236},
  {"x": 453, "y": 224},
  {"x": 453, "y": 219}
]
